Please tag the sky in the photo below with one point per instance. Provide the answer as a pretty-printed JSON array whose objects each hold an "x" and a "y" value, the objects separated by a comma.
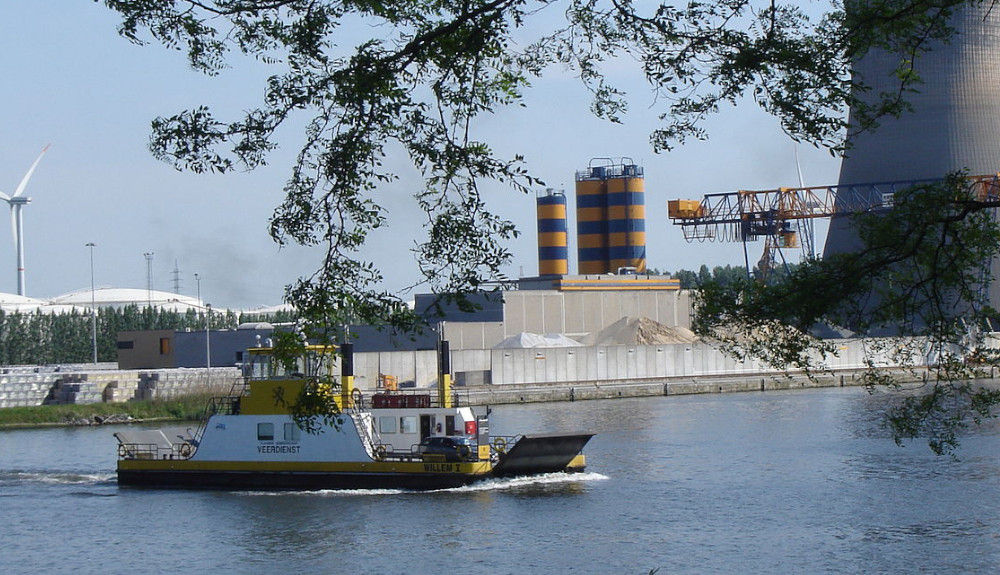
[{"x": 70, "y": 81}]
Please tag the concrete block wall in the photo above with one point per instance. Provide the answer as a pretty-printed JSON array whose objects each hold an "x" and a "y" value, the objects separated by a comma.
[
  {"x": 26, "y": 386},
  {"x": 23, "y": 389},
  {"x": 168, "y": 384}
]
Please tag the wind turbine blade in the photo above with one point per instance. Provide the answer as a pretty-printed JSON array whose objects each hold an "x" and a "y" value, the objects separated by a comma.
[
  {"x": 4, "y": 197},
  {"x": 31, "y": 170}
]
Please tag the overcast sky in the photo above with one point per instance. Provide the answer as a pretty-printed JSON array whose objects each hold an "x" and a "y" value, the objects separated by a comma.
[{"x": 71, "y": 81}]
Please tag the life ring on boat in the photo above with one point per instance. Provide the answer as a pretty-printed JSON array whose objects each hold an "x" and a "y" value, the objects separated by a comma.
[
  {"x": 122, "y": 452},
  {"x": 500, "y": 445},
  {"x": 357, "y": 398},
  {"x": 380, "y": 452},
  {"x": 185, "y": 450},
  {"x": 464, "y": 451}
]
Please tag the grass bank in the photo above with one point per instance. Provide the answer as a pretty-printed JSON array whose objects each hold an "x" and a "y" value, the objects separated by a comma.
[{"x": 186, "y": 408}]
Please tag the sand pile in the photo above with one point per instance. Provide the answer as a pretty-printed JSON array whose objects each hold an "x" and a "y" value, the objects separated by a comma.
[{"x": 641, "y": 331}]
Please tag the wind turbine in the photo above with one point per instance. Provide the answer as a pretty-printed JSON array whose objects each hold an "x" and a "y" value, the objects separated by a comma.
[{"x": 17, "y": 203}]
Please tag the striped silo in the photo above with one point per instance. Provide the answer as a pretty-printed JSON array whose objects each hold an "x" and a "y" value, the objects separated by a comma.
[
  {"x": 553, "y": 250},
  {"x": 611, "y": 218},
  {"x": 627, "y": 219},
  {"x": 591, "y": 222},
  {"x": 954, "y": 123}
]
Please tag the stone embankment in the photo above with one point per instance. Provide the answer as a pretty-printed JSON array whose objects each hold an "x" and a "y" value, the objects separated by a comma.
[{"x": 61, "y": 385}]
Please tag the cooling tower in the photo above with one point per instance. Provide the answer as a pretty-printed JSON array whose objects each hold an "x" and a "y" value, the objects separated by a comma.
[
  {"x": 955, "y": 121},
  {"x": 611, "y": 218},
  {"x": 553, "y": 253},
  {"x": 954, "y": 124}
]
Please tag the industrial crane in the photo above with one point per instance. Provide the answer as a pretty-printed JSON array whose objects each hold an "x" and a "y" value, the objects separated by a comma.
[{"x": 749, "y": 215}]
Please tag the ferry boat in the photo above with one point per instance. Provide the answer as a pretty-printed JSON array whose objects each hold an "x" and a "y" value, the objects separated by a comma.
[{"x": 392, "y": 439}]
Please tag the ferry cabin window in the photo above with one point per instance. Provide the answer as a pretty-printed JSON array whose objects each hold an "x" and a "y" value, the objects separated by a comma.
[
  {"x": 387, "y": 425},
  {"x": 408, "y": 424},
  {"x": 292, "y": 432},
  {"x": 260, "y": 366},
  {"x": 265, "y": 432}
]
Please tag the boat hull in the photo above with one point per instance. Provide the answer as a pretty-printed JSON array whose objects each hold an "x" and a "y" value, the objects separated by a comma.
[
  {"x": 538, "y": 454},
  {"x": 258, "y": 480}
]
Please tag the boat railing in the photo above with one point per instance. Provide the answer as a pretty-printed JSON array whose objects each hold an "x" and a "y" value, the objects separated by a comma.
[
  {"x": 154, "y": 451},
  {"x": 224, "y": 405},
  {"x": 413, "y": 398}
]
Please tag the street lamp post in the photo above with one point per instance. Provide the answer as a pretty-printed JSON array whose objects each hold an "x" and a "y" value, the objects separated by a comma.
[
  {"x": 208, "y": 343},
  {"x": 93, "y": 306},
  {"x": 149, "y": 278},
  {"x": 208, "y": 323}
]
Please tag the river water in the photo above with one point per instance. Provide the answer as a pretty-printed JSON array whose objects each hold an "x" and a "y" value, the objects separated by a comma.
[{"x": 776, "y": 482}]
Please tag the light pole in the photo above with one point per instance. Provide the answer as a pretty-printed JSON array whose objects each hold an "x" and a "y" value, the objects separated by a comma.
[
  {"x": 93, "y": 306},
  {"x": 208, "y": 321},
  {"x": 149, "y": 278},
  {"x": 208, "y": 344}
]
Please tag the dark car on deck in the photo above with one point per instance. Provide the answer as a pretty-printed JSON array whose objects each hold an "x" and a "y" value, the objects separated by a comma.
[{"x": 453, "y": 447}]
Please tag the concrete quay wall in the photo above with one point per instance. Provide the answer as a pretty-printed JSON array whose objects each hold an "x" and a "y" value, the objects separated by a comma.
[{"x": 579, "y": 391}]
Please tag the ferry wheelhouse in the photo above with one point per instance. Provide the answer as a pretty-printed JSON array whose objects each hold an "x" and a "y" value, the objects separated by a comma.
[{"x": 391, "y": 439}]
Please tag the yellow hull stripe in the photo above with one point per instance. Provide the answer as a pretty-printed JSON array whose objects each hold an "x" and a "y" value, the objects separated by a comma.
[{"x": 418, "y": 467}]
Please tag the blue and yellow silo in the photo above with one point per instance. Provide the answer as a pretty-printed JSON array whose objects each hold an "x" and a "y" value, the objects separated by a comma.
[
  {"x": 553, "y": 250},
  {"x": 611, "y": 218},
  {"x": 591, "y": 222}
]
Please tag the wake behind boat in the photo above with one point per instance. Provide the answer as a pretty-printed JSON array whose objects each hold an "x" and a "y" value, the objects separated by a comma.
[{"x": 392, "y": 439}]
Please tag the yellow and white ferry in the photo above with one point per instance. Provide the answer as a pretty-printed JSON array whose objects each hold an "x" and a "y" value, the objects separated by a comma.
[{"x": 391, "y": 439}]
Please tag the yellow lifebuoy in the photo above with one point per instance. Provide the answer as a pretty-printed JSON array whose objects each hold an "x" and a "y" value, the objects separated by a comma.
[
  {"x": 185, "y": 450},
  {"x": 464, "y": 451},
  {"x": 500, "y": 445},
  {"x": 357, "y": 398},
  {"x": 122, "y": 452}
]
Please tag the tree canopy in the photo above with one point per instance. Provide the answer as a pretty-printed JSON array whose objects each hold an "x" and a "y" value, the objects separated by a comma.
[{"x": 430, "y": 68}]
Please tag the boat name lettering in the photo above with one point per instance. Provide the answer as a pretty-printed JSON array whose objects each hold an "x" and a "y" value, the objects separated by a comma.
[
  {"x": 441, "y": 467},
  {"x": 278, "y": 449}
]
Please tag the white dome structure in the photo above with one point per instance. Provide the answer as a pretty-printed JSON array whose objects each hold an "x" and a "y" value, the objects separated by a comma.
[
  {"x": 13, "y": 303},
  {"x": 267, "y": 310},
  {"x": 122, "y": 297}
]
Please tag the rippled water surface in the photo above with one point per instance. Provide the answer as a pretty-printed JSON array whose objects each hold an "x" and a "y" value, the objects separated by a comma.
[{"x": 796, "y": 482}]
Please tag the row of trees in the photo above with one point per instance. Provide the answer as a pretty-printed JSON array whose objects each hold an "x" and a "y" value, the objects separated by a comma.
[
  {"x": 40, "y": 338},
  {"x": 722, "y": 275}
]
